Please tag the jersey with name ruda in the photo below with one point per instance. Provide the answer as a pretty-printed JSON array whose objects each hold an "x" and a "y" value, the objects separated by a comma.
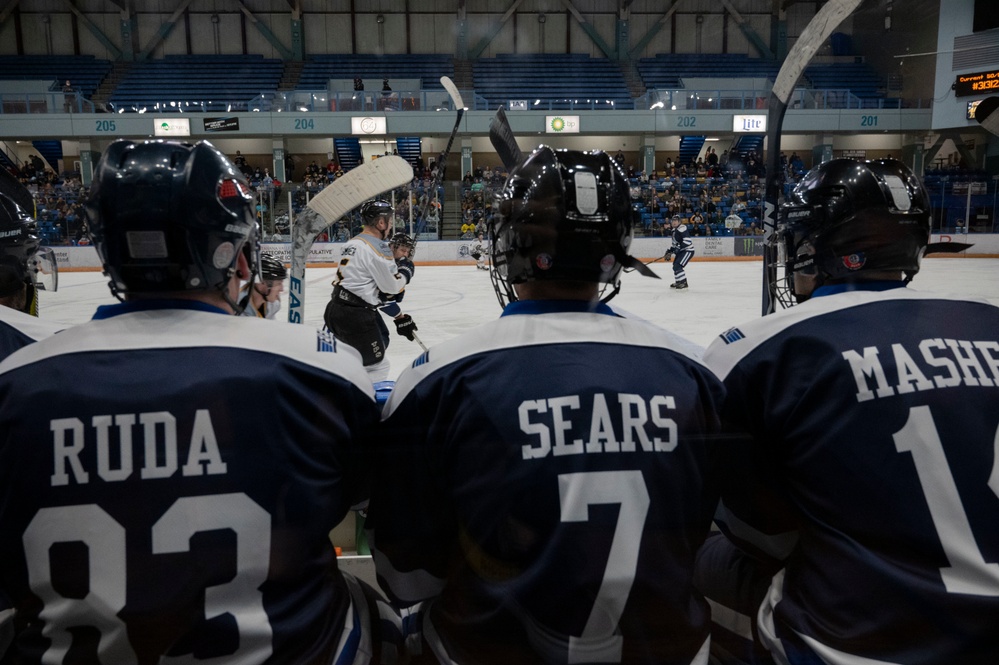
[
  {"x": 546, "y": 477},
  {"x": 169, "y": 475},
  {"x": 873, "y": 416}
]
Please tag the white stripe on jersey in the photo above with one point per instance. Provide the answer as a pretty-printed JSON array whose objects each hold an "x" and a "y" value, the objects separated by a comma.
[
  {"x": 768, "y": 634},
  {"x": 722, "y": 357},
  {"x": 522, "y": 330},
  {"x": 186, "y": 328},
  {"x": 32, "y": 326}
]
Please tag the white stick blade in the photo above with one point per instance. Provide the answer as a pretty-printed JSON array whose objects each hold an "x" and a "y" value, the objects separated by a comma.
[
  {"x": 825, "y": 21},
  {"x": 360, "y": 184},
  {"x": 987, "y": 114},
  {"x": 452, "y": 91}
]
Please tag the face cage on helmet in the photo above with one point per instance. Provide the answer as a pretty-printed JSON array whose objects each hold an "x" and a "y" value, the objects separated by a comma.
[
  {"x": 405, "y": 241},
  {"x": 790, "y": 236},
  {"x": 505, "y": 293}
]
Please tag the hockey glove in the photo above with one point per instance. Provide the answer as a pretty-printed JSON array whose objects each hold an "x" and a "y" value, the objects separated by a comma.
[
  {"x": 406, "y": 268},
  {"x": 668, "y": 256},
  {"x": 405, "y": 326}
]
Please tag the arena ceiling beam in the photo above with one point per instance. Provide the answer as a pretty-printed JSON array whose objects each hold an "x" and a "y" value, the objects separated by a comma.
[
  {"x": 165, "y": 28},
  {"x": 285, "y": 52},
  {"x": 94, "y": 30},
  {"x": 7, "y": 11},
  {"x": 747, "y": 30},
  {"x": 590, "y": 30},
  {"x": 653, "y": 30},
  {"x": 493, "y": 31}
]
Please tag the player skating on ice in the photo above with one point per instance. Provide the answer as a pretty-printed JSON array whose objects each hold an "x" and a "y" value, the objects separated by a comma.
[
  {"x": 480, "y": 252},
  {"x": 367, "y": 275},
  {"x": 543, "y": 480},
  {"x": 681, "y": 251},
  {"x": 868, "y": 418},
  {"x": 262, "y": 299},
  {"x": 25, "y": 268},
  {"x": 170, "y": 473}
]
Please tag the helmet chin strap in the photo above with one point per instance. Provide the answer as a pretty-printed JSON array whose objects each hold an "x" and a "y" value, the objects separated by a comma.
[{"x": 30, "y": 300}]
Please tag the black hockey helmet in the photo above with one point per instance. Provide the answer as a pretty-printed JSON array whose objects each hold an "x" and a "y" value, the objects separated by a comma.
[
  {"x": 857, "y": 216},
  {"x": 404, "y": 240},
  {"x": 561, "y": 215},
  {"x": 168, "y": 216},
  {"x": 271, "y": 267},
  {"x": 373, "y": 210},
  {"x": 19, "y": 243}
]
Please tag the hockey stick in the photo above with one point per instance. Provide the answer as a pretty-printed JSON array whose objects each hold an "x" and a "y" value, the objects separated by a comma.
[
  {"x": 420, "y": 342},
  {"x": 456, "y": 100},
  {"x": 811, "y": 39},
  {"x": 346, "y": 193},
  {"x": 503, "y": 140},
  {"x": 987, "y": 114}
]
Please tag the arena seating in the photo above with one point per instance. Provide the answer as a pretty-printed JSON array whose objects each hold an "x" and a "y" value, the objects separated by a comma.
[
  {"x": 84, "y": 72},
  {"x": 319, "y": 69},
  {"x": 557, "y": 81},
  {"x": 665, "y": 71},
  {"x": 859, "y": 78},
  {"x": 197, "y": 82}
]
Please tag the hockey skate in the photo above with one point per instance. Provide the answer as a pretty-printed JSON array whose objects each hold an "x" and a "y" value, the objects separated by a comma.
[{"x": 682, "y": 284}]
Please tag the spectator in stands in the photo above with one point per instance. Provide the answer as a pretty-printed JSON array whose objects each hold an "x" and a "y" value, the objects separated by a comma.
[
  {"x": 69, "y": 97},
  {"x": 358, "y": 84},
  {"x": 796, "y": 164}
]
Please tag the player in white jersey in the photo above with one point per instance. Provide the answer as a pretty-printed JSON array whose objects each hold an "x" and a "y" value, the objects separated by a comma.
[
  {"x": 25, "y": 268},
  {"x": 867, "y": 419},
  {"x": 262, "y": 298},
  {"x": 479, "y": 251},
  {"x": 368, "y": 274},
  {"x": 543, "y": 481},
  {"x": 170, "y": 473}
]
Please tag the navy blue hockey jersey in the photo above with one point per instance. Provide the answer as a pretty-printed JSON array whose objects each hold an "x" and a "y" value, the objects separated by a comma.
[
  {"x": 681, "y": 239},
  {"x": 168, "y": 481},
  {"x": 872, "y": 472},
  {"x": 544, "y": 479}
]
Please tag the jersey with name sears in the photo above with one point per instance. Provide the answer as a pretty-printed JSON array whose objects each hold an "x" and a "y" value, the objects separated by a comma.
[{"x": 545, "y": 480}]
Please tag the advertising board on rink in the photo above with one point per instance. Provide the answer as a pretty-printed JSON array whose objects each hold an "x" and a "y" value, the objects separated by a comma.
[{"x": 453, "y": 252}]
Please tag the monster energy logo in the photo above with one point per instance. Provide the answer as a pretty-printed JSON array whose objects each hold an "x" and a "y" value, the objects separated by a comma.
[{"x": 748, "y": 245}]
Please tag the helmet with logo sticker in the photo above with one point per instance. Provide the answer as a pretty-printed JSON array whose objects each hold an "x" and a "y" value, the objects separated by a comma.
[
  {"x": 19, "y": 242},
  {"x": 849, "y": 217},
  {"x": 169, "y": 217},
  {"x": 561, "y": 215}
]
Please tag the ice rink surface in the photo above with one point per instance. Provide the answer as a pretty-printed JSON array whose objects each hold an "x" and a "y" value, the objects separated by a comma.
[{"x": 446, "y": 301}]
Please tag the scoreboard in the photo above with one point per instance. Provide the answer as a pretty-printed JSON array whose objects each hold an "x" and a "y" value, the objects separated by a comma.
[{"x": 976, "y": 84}]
